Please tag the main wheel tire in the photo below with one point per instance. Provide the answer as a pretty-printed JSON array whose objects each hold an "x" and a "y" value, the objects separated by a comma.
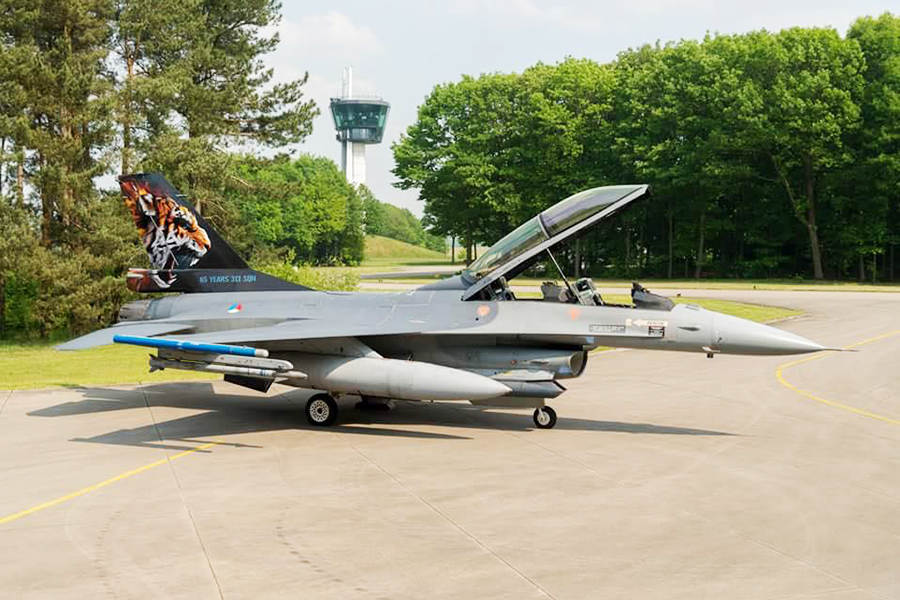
[
  {"x": 321, "y": 410},
  {"x": 544, "y": 418}
]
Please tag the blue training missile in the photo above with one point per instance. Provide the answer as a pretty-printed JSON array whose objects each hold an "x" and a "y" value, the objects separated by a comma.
[{"x": 190, "y": 346}]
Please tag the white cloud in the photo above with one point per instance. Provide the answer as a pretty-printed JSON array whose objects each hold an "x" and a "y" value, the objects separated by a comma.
[
  {"x": 311, "y": 42},
  {"x": 531, "y": 11},
  {"x": 606, "y": 15},
  {"x": 333, "y": 33}
]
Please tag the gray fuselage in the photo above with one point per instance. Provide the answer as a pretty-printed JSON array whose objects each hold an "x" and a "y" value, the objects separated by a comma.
[{"x": 422, "y": 324}]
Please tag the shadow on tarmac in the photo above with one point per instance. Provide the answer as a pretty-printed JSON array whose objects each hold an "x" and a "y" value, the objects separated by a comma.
[{"x": 252, "y": 412}]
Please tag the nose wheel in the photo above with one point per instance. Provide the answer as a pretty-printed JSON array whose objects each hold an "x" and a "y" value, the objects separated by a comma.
[
  {"x": 544, "y": 417},
  {"x": 321, "y": 410}
]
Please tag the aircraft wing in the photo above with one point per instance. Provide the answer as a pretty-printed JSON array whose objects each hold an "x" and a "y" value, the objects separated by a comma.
[
  {"x": 105, "y": 336},
  {"x": 302, "y": 329},
  {"x": 293, "y": 329}
]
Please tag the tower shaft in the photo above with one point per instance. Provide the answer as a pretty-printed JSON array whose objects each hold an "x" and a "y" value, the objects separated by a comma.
[{"x": 353, "y": 162}]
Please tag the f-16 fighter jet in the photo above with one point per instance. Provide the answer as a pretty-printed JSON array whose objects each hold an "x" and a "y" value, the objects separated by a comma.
[{"x": 467, "y": 337}]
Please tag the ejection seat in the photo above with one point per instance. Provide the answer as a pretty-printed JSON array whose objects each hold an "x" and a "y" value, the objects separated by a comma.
[{"x": 644, "y": 298}]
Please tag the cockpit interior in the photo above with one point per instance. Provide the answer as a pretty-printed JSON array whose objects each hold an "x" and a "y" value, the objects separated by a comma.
[{"x": 582, "y": 291}]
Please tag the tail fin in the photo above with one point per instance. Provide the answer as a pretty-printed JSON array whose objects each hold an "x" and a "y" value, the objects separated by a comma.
[
  {"x": 186, "y": 253},
  {"x": 174, "y": 235}
]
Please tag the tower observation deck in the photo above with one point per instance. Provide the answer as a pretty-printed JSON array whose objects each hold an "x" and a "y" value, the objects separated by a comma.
[{"x": 359, "y": 121}]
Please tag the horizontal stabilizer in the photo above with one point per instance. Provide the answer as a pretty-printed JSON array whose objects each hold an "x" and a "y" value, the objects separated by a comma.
[{"x": 105, "y": 336}]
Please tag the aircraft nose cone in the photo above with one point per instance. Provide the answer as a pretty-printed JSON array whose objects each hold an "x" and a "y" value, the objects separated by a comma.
[{"x": 740, "y": 336}]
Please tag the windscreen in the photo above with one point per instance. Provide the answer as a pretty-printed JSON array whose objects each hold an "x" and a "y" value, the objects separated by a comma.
[
  {"x": 554, "y": 224},
  {"x": 526, "y": 236},
  {"x": 577, "y": 208}
]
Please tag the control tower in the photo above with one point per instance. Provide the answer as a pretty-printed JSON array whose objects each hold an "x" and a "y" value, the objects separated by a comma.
[{"x": 359, "y": 120}]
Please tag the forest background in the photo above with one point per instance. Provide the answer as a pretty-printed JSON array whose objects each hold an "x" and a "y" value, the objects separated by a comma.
[{"x": 769, "y": 154}]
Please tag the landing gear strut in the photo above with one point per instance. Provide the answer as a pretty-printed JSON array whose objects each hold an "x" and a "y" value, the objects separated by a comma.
[
  {"x": 544, "y": 417},
  {"x": 321, "y": 410},
  {"x": 374, "y": 404}
]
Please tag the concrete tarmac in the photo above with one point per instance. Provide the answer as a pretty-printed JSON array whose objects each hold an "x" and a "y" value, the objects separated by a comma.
[{"x": 668, "y": 476}]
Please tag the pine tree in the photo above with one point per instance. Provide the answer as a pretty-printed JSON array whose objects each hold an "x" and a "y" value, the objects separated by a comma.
[
  {"x": 221, "y": 93},
  {"x": 55, "y": 52}
]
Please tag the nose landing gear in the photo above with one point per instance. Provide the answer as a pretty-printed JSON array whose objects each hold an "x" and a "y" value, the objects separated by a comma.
[{"x": 544, "y": 417}]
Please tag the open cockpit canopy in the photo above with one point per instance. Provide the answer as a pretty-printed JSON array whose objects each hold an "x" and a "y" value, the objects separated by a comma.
[{"x": 520, "y": 249}]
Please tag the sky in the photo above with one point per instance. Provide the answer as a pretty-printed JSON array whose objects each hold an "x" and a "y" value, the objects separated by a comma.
[{"x": 401, "y": 50}]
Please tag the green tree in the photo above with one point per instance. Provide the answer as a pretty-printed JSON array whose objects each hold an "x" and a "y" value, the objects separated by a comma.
[
  {"x": 452, "y": 157},
  {"x": 487, "y": 152},
  {"x": 304, "y": 205},
  {"x": 801, "y": 112},
  {"x": 217, "y": 92},
  {"x": 874, "y": 184},
  {"x": 149, "y": 43},
  {"x": 669, "y": 127},
  {"x": 17, "y": 240},
  {"x": 397, "y": 223},
  {"x": 56, "y": 50}
]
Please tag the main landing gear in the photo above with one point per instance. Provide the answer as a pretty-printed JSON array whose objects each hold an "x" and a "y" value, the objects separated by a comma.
[
  {"x": 321, "y": 410},
  {"x": 544, "y": 417}
]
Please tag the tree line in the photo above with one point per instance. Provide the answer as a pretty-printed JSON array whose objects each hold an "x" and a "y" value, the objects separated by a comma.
[
  {"x": 769, "y": 154},
  {"x": 397, "y": 223},
  {"x": 92, "y": 88}
]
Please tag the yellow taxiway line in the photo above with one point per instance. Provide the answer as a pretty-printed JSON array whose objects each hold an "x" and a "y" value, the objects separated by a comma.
[
  {"x": 779, "y": 375},
  {"x": 104, "y": 483}
]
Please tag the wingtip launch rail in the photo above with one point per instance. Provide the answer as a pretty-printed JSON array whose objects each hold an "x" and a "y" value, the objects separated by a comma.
[
  {"x": 163, "y": 343},
  {"x": 237, "y": 363}
]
